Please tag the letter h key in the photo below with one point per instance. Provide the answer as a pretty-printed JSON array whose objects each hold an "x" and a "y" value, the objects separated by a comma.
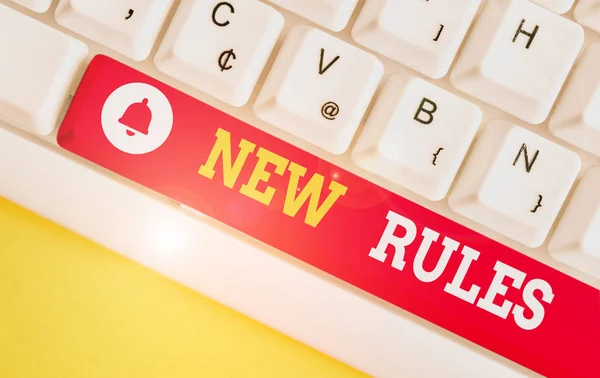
[
  {"x": 531, "y": 35},
  {"x": 517, "y": 58}
]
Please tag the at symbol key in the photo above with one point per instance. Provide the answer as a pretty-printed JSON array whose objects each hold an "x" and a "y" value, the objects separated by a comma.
[
  {"x": 308, "y": 94},
  {"x": 330, "y": 110}
]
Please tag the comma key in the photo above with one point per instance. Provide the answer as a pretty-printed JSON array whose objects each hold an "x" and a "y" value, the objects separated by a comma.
[{"x": 130, "y": 29}]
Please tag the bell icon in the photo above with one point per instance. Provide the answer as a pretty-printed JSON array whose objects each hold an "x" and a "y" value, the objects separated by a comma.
[{"x": 137, "y": 118}]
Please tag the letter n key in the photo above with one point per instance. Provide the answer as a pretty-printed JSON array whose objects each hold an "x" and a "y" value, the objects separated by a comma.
[{"x": 515, "y": 182}]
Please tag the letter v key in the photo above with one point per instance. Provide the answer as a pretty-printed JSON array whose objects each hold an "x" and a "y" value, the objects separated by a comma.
[{"x": 323, "y": 70}]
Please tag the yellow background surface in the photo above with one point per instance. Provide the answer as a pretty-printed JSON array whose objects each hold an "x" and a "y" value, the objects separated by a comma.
[{"x": 72, "y": 309}]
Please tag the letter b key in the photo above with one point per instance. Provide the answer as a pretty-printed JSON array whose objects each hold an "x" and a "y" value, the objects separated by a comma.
[{"x": 417, "y": 136}]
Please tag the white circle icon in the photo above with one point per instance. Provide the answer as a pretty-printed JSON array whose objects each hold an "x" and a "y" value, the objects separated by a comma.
[{"x": 137, "y": 118}]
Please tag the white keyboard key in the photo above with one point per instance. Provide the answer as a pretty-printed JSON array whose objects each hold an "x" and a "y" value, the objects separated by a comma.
[
  {"x": 576, "y": 119},
  {"x": 38, "y": 67},
  {"x": 517, "y": 58},
  {"x": 515, "y": 182},
  {"x": 417, "y": 136},
  {"x": 587, "y": 13},
  {"x": 424, "y": 35},
  {"x": 556, "y": 6},
  {"x": 220, "y": 47},
  {"x": 576, "y": 241},
  {"x": 39, "y": 6},
  {"x": 319, "y": 89},
  {"x": 126, "y": 26},
  {"x": 331, "y": 14}
]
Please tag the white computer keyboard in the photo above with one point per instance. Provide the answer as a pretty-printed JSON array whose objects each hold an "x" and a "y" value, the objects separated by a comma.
[{"x": 486, "y": 112}]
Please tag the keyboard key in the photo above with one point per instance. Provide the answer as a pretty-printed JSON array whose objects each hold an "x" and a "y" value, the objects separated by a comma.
[
  {"x": 576, "y": 241},
  {"x": 126, "y": 26},
  {"x": 331, "y": 14},
  {"x": 515, "y": 182},
  {"x": 517, "y": 58},
  {"x": 576, "y": 119},
  {"x": 319, "y": 89},
  {"x": 417, "y": 136},
  {"x": 39, "y": 65},
  {"x": 587, "y": 13},
  {"x": 557, "y": 6},
  {"x": 39, "y": 6},
  {"x": 220, "y": 47},
  {"x": 424, "y": 35}
]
